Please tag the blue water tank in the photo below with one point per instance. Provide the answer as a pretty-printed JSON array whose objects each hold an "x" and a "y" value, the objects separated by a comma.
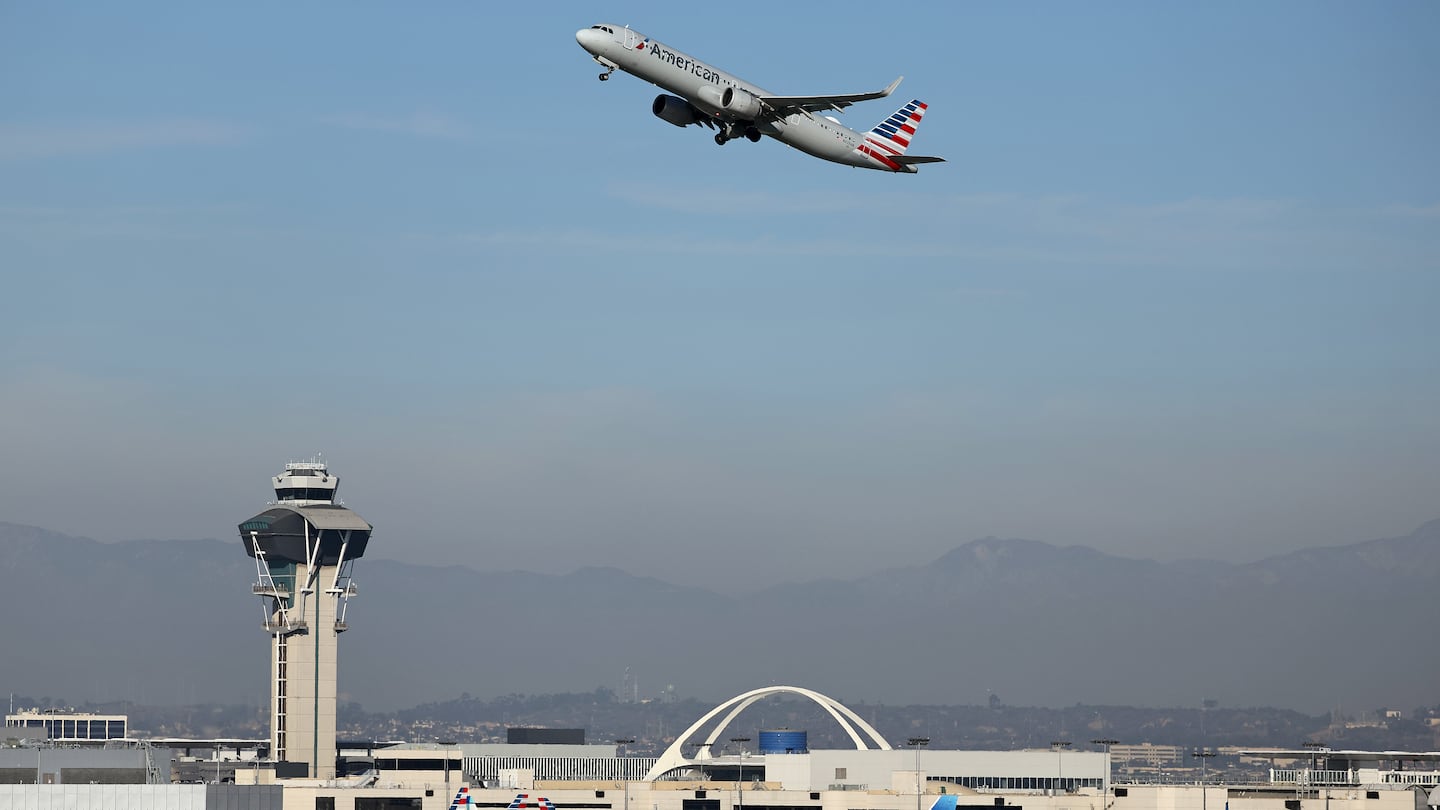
[{"x": 783, "y": 741}]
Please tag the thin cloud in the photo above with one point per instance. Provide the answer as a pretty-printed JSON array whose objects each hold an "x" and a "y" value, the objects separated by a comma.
[
  {"x": 33, "y": 142},
  {"x": 420, "y": 124},
  {"x": 587, "y": 241},
  {"x": 52, "y": 224},
  {"x": 1415, "y": 211},
  {"x": 1011, "y": 229},
  {"x": 744, "y": 203}
]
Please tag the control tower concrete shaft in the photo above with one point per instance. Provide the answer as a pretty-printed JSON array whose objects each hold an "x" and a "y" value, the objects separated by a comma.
[{"x": 304, "y": 546}]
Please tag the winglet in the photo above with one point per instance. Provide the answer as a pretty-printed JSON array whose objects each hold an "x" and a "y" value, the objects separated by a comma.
[{"x": 887, "y": 91}]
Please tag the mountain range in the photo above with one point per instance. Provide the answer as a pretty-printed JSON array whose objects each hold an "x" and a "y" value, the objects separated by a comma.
[{"x": 173, "y": 621}]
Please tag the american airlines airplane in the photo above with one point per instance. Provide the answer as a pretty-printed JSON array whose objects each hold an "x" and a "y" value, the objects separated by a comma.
[{"x": 711, "y": 97}]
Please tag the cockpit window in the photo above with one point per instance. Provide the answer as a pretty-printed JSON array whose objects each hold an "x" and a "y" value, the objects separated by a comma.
[{"x": 603, "y": 28}]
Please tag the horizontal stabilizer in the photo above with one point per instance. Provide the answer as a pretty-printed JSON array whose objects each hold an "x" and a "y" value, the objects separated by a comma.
[{"x": 913, "y": 159}]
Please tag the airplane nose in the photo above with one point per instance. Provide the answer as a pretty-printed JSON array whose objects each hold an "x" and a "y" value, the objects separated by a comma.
[{"x": 589, "y": 39}]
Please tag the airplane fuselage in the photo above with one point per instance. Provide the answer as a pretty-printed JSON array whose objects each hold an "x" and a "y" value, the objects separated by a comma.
[{"x": 703, "y": 86}]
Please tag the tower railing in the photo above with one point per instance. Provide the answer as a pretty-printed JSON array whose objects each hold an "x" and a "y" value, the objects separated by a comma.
[
  {"x": 1313, "y": 777},
  {"x": 279, "y": 618},
  {"x": 342, "y": 587}
]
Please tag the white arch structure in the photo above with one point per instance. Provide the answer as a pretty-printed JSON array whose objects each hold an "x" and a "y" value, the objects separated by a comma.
[{"x": 672, "y": 759}]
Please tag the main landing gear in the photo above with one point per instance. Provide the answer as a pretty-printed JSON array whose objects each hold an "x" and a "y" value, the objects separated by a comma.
[{"x": 732, "y": 131}]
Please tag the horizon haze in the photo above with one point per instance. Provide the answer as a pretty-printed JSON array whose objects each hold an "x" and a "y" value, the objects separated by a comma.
[{"x": 1037, "y": 624}]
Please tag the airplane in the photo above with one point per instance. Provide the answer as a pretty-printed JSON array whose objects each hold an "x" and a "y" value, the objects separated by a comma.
[
  {"x": 522, "y": 801},
  {"x": 708, "y": 96}
]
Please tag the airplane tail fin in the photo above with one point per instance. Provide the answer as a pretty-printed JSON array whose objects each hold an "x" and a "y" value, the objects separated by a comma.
[
  {"x": 522, "y": 801},
  {"x": 895, "y": 132}
]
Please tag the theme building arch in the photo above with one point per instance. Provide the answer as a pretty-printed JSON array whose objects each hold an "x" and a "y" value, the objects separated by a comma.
[{"x": 849, "y": 721}]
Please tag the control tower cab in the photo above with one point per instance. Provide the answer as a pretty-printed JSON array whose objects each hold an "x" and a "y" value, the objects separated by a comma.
[
  {"x": 306, "y": 483},
  {"x": 305, "y": 526},
  {"x": 304, "y": 547}
]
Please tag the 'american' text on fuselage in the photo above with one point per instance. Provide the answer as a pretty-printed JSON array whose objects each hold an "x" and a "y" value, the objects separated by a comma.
[{"x": 704, "y": 71}]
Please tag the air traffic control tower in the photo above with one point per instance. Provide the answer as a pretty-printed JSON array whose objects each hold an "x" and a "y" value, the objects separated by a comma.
[{"x": 304, "y": 546}]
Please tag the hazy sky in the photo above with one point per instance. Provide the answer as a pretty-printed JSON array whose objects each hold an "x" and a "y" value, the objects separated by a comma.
[{"x": 1174, "y": 294}]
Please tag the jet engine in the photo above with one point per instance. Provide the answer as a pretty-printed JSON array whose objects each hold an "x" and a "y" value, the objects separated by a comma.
[
  {"x": 677, "y": 111},
  {"x": 710, "y": 97},
  {"x": 740, "y": 104}
]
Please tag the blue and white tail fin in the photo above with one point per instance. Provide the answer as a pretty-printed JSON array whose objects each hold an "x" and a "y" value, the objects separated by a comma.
[
  {"x": 462, "y": 800},
  {"x": 944, "y": 802},
  {"x": 886, "y": 143}
]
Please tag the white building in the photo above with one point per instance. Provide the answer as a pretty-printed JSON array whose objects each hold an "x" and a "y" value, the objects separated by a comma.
[{"x": 68, "y": 725}]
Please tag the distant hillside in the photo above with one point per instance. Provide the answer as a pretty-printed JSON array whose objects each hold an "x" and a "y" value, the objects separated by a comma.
[{"x": 153, "y": 621}]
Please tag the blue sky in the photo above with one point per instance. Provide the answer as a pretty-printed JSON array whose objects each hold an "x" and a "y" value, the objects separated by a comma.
[{"x": 1173, "y": 295}]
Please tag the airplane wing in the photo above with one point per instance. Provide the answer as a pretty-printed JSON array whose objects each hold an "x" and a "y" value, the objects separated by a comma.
[{"x": 819, "y": 103}]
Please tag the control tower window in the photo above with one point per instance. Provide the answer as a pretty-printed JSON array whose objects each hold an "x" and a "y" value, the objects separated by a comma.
[{"x": 304, "y": 494}]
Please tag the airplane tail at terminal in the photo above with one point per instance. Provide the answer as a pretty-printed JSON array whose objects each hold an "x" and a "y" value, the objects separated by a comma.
[
  {"x": 944, "y": 802},
  {"x": 522, "y": 801}
]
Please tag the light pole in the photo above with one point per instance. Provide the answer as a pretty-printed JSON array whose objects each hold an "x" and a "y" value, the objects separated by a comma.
[
  {"x": 624, "y": 770},
  {"x": 917, "y": 743},
  {"x": 1105, "y": 776},
  {"x": 1202, "y": 755},
  {"x": 1311, "y": 778},
  {"x": 740, "y": 779},
  {"x": 1059, "y": 746}
]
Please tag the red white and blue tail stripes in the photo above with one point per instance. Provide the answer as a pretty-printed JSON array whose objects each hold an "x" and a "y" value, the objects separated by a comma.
[
  {"x": 892, "y": 136},
  {"x": 522, "y": 801}
]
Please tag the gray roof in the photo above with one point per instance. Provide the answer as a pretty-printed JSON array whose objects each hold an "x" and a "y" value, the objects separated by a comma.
[{"x": 330, "y": 517}]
